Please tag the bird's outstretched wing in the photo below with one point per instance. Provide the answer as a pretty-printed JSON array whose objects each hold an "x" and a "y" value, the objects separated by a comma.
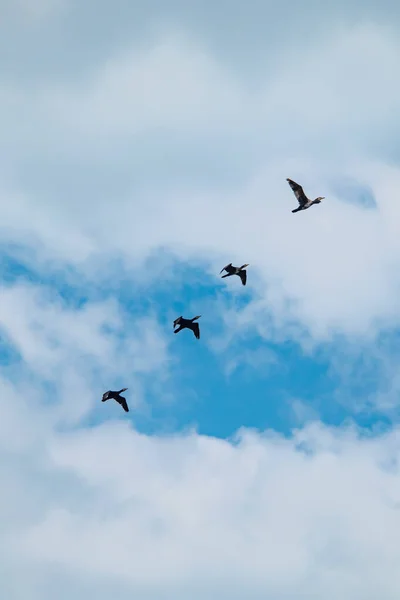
[
  {"x": 298, "y": 192},
  {"x": 105, "y": 396},
  {"x": 196, "y": 330},
  {"x": 225, "y": 268},
  {"x": 122, "y": 401},
  {"x": 243, "y": 276}
]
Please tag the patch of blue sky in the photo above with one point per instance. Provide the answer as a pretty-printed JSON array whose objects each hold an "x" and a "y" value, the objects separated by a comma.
[
  {"x": 266, "y": 383},
  {"x": 353, "y": 192},
  {"x": 56, "y": 279},
  {"x": 8, "y": 354},
  {"x": 217, "y": 405}
]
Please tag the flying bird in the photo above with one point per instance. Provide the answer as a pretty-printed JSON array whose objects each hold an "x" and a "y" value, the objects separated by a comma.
[
  {"x": 235, "y": 271},
  {"x": 188, "y": 324},
  {"x": 116, "y": 396},
  {"x": 304, "y": 202}
]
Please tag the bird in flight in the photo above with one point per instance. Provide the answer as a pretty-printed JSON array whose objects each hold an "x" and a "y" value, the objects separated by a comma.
[
  {"x": 188, "y": 324},
  {"x": 303, "y": 201},
  {"x": 116, "y": 396},
  {"x": 230, "y": 270}
]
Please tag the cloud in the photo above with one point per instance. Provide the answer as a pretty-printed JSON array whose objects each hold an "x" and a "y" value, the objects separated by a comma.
[
  {"x": 312, "y": 515},
  {"x": 174, "y": 85},
  {"x": 66, "y": 353},
  {"x": 32, "y": 13},
  {"x": 155, "y": 161},
  {"x": 313, "y": 264}
]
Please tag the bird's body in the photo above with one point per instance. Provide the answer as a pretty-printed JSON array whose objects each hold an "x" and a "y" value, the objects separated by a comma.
[
  {"x": 116, "y": 396},
  {"x": 240, "y": 271},
  {"x": 303, "y": 201},
  {"x": 188, "y": 324}
]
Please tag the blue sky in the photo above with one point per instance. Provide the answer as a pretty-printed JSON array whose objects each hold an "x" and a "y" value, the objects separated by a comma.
[
  {"x": 251, "y": 384},
  {"x": 144, "y": 146}
]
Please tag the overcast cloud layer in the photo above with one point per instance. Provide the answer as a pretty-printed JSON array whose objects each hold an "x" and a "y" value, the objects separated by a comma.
[{"x": 137, "y": 142}]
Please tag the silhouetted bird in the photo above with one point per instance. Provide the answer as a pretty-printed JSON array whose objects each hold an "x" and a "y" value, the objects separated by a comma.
[
  {"x": 188, "y": 324},
  {"x": 304, "y": 202},
  {"x": 235, "y": 271},
  {"x": 116, "y": 396}
]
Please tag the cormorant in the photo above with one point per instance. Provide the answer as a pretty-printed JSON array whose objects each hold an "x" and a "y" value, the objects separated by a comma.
[
  {"x": 188, "y": 324},
  {"x": 304, "y": 202},
  {"x": 116, "y": 396},
  {"x": 235, "y": 271}
]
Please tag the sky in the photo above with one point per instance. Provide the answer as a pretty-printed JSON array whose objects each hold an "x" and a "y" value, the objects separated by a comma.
[{"x": 143, "y": 146}]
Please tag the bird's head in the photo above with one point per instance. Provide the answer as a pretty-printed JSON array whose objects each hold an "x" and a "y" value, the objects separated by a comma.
[
  {"x": 195, "y": 318},
  {"x": 318, "y": 200},
  {"x": 244, "y": 266}
]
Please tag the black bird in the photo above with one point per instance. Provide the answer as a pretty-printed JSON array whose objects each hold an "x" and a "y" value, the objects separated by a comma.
[
  {"x": 304, "y": 202},
  {"x": 235, "y": 271},
  {"x": 188, "y": 324},
  {"x": 116, "y": 396}
]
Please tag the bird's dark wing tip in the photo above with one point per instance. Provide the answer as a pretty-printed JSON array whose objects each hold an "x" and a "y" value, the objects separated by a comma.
[
  {"x": 122, "y": 402},
  {"x": 243, "y": 277}
]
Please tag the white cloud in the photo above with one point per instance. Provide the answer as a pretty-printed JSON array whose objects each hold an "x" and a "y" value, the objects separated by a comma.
[
  {"x": 165, "y": 147},
  {"x": 77, "y": 351},
  {"x": 335, "y": 267},
  {"x": 314, "y": 516},
  {"x": 33, "y": 12},
  {"x": 174, "y": 85}
]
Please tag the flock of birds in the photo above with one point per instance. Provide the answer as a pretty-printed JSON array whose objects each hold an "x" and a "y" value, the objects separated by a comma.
[{"x": 182, "y": 323}]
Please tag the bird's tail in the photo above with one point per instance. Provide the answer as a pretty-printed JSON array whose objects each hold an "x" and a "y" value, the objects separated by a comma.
[{"x": 296, "y": 210}]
